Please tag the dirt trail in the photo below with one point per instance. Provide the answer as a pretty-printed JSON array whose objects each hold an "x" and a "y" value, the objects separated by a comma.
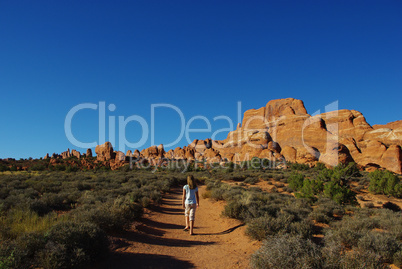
[{"x": 160, "y": 242}]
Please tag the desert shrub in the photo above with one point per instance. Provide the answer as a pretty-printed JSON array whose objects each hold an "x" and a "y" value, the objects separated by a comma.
[
  {"x": 279, "y": 185},
  {"x": 278, "y": 177},
  {"x": 299, "y": 167},
  {"x": 329, "y": 207},
  {"x": 362, "y": 259},
  {"x": 398, "y": 258},
  {"x": 340, "y": 174},
  {"x": 284, "y": 180},
  {"x": 388, "y": 221},
  {"x": 338, "y": 193},
  {"x": 335, "y": 256},
  {"x": 391, "y": 206},
  {"x": 39, "y": 206},
  {"x": 37, "y": 167},
  {"x": 110, "y": 216},
  {"x": 235, "y": 210},
  {"x": 251, "y": 180},
  {"x": 287, "y": 251},
  {"x": 385, "y": 182},
  {"x": 319, "y": 166},
  {"x": 310, "y": 189},
  {"x": 350, "y": 230},
  {"x": 217, "y": 194},
  {"x": 262, "y": 227},
  {"x": 383, "y": 244},
  {"x": 22, "y": 252},
  {"x": 369, "y": 205},
  {"x": 4, "y": 167},
  {"x": 288, "y": 189},
  {"x": 70, "y": 245},
  {"x": 296, "y": 181},
  {"x": 17, "y": 222}
]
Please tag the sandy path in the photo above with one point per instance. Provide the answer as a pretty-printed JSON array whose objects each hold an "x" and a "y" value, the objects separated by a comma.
[{"x": 160, "y": 242}]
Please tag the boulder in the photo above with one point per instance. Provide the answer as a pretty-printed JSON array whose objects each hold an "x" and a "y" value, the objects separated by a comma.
[
  {"x": 289, "y": 153},
  {"x": 372, "y": 153},
  {"x": 392, "y": 159},
  {"x": 335, "y": 154}
]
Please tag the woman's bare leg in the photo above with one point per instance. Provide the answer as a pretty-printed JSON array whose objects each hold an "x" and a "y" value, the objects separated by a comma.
[
  {"x": 187, "y": 221},
  {"x": 191, "y": 226}
]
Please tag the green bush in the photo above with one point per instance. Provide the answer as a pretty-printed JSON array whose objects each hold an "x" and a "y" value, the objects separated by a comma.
[
  {"x": 24, "y": 250},
  {"x": 338, "y": 193},
  {"x": 299, "y": 167},
  {"x": 385, "y": 182},
  {"x": 296, "y": 181},
  {"x": 319, "y": 166},
  {"x": 310, "y": 188}
]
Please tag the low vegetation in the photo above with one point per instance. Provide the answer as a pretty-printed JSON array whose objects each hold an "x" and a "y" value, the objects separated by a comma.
[
  {"x": 59, "y": 217},
  {"x": 290, "y": 226}
]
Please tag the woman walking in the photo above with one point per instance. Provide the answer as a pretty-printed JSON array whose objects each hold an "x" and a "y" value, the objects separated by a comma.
[{"x": 190, "y": 202}]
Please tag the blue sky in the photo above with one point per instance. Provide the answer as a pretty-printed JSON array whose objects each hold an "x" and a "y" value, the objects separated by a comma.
[{"x": 201, "y": 56}]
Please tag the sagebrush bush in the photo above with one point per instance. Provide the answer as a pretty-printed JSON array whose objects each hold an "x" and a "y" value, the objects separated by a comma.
[
  {"x": 326, "y": 210},
  {"x": 287, "y": 251},
  {"x": 383, "y": 244},
  {"x": 398, "y": 258},
  {"x": 72, "y": 244},
  {"x": 251, "y": 180}
]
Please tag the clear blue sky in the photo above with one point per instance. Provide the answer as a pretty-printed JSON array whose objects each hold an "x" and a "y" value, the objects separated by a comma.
[{"x": 200, "y": 56}]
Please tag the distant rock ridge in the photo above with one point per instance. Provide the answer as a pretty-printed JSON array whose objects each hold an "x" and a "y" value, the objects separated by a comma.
[{"x": 283, "y": 130}]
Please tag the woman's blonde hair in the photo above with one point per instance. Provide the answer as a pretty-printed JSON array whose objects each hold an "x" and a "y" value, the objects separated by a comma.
[{"x": 191, "y": 182}]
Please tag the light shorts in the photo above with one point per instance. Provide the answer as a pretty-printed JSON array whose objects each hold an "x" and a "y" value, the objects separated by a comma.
[{"x": 190, "y": 211}]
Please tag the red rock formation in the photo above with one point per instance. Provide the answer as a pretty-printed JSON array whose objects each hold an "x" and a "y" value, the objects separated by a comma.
[
  {"x": 104, "y": 152},
  {"x": 120, "y": 157},
  {"x": 283, "y": 129},
  {"x": 333, "y": 137},
  {"x": 76, "y": 154}
]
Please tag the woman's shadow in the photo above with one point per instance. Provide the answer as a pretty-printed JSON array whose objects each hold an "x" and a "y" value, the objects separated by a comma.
[{"x": 223, "y": 232}]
